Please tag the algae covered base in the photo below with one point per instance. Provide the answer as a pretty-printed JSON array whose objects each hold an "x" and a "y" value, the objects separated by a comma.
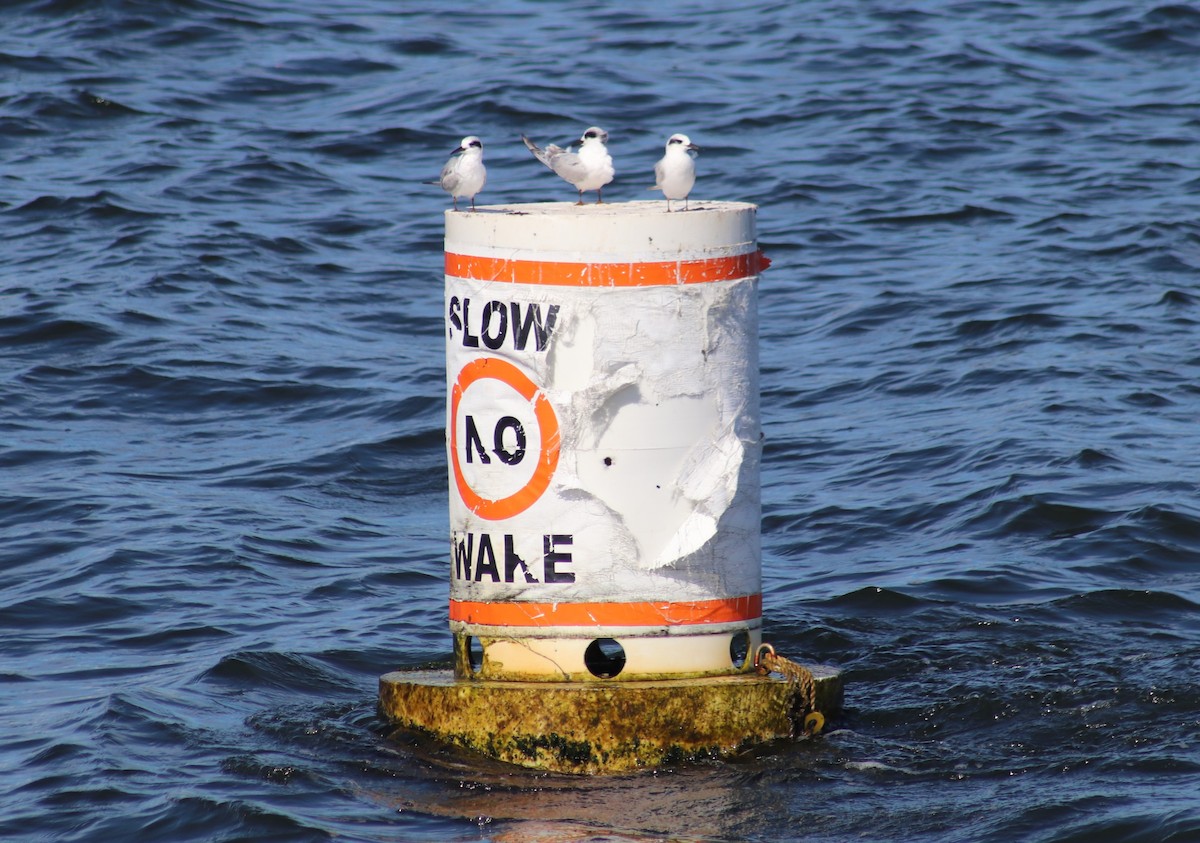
[{"x": 600, "y": 727}]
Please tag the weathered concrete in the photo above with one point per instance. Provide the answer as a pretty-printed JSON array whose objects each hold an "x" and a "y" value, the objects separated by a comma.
[{"x": 601, "y": 727}]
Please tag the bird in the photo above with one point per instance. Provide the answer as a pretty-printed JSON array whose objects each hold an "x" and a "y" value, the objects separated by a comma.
[
  {"x": 589, "y": 169},
  {"x": 465, "y": 175},
  {"x": 675, "y": 172}
]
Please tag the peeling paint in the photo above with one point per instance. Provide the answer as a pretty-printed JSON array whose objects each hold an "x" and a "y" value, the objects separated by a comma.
[
  {"x": 679, "y": 430},
  {"x": 650, "y": 367}
]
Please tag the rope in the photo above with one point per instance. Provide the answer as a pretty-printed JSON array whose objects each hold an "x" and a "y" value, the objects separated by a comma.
[{"x": 805, "y": 717}]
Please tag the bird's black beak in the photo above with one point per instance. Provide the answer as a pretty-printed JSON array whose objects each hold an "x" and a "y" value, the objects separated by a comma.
[{"x": 693, "y": 146}]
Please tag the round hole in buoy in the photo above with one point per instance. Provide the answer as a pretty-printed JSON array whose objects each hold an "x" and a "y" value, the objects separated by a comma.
[
  {"x": 604, "y": 658},
  {"x": 739, "y": 648},
  {"x": 608, "y": 460}
]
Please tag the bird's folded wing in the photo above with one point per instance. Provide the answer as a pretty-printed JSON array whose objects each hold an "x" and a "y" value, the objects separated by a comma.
[
  {"x": 569, "y": 166},
  {"x": 658, "y": 175}
]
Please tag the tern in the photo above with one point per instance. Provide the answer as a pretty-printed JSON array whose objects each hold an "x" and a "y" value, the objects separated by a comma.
[
  {"x": 675, "y": 172},
  {"x": 589, "y": 169},
  {"x": 465, "y": 175}
]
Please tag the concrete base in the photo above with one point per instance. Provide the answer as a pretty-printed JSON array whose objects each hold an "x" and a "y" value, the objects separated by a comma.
[{"x": 601, "y": 727}]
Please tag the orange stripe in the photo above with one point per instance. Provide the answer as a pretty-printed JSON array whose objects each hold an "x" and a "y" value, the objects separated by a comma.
[
  {"x": 658, "y": 613},
  {"x": 629, "y": 274}
]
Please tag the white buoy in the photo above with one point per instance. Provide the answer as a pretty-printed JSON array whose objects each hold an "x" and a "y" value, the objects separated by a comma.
[
  {"x": 604, "y": 439},
  {"x": 603, "y": 442}
]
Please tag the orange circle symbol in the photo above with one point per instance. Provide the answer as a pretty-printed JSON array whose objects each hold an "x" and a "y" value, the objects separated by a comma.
[{"x": 547, "y": 460}]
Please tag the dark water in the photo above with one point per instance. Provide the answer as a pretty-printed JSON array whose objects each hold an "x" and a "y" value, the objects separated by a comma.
[{"x": 223, "y": 507}]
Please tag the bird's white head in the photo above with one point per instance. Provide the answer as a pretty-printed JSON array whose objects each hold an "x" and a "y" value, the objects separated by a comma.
[
  {"x": 595, "y": 134},
  {"x": 470, "y": 142},
  {"x": 682, "y": 141}
]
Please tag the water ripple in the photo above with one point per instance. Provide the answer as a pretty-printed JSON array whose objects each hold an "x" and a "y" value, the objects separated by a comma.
[{"x": 223, "y": 447}]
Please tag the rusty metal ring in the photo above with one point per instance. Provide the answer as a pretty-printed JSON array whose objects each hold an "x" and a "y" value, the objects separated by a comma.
[{"x": 758, "y": 654}]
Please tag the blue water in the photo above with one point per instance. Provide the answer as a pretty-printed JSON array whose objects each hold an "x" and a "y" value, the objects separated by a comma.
[{"x": 222, "y": 398}]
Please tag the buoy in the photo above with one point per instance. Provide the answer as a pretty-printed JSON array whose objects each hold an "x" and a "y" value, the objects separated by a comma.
[{"x": 603, "y": 440}]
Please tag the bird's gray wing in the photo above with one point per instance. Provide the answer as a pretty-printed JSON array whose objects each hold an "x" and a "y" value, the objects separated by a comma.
[
  {"x": 568, "y": 165},
  {"x": 450, "y": 178},
  {"x": 658, "y": 175}
]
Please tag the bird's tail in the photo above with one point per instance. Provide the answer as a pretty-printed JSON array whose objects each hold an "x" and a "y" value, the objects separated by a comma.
[{"x": 538, "y": 153}]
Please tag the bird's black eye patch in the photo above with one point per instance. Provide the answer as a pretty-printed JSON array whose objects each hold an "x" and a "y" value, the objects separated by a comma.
[
  {"x": 477, "y": 143},
  {"x": 589, "y": 134},
  {"x": 674, "y": 140}
]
